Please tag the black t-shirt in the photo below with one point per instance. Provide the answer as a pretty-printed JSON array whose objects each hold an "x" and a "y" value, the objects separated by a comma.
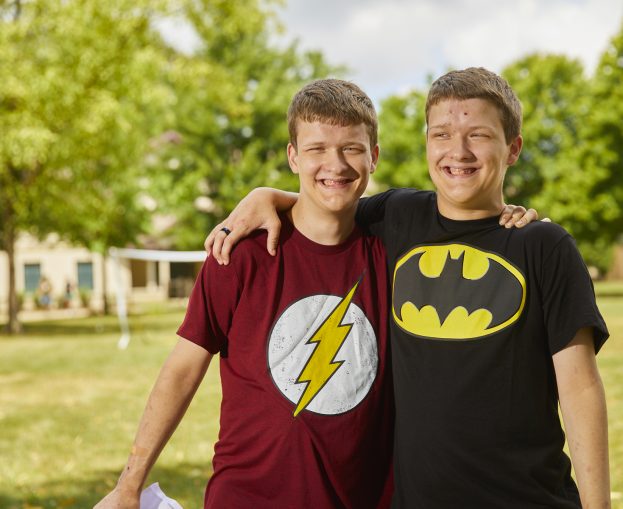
[{"x": 478, "y": 310}]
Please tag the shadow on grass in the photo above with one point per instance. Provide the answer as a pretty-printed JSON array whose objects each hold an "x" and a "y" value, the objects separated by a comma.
[
  {"x": 96, "y": 326},
  {"x": 184, "y": 482}
]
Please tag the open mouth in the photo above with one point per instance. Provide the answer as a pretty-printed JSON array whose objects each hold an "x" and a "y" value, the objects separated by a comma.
[
  {"x": 335, "y": 183},
  {"x": 459, "y": 172}
]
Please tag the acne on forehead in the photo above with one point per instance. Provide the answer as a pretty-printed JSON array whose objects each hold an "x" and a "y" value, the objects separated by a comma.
[{"x": 451, "y": 111}]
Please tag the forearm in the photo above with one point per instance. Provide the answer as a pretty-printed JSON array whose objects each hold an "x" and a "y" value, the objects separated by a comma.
[
  {"x": 281, "y": 200},
  {"x": 583, "y": 408},
  {"x": 173, "y": 391},
  {"x": 586, "y": 426}
]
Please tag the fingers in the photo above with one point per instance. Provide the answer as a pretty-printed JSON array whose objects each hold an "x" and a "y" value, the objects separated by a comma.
[
  {"x": 528, "y": 217},
  {"x": 273, "y": 228},
  {"x": 518, "y": 216},
  {"x": 228, "y": 242},
  {"x": 507, "y": 218},
  {"x": 217, "y": 244},
  {"x": 224, "y": 237},
  {"x": 209, "y": 241}
]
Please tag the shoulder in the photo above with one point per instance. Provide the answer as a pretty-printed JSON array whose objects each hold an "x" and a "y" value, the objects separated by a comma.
[
  {"x": 547, "y": 242},
  {"x": 405, "y": 202},
  {"x": 249, "y": 253},
  {"x": 251, "y": 248},
  {"x": 543, "y": 233},
  {"x": 409, "y": 195}
]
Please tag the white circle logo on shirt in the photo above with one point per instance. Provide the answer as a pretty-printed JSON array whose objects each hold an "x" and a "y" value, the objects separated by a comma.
[{"x": 322, "y": 354}]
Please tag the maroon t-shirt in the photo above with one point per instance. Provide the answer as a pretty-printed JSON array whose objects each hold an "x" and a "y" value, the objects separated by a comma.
[{"x": 307, "y": 410}]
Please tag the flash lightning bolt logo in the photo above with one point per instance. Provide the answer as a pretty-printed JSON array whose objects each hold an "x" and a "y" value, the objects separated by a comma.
[{"x": 328, "y": 338}]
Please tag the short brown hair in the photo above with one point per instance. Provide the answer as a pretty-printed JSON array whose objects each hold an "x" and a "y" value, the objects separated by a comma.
[
  {"x": 336, "y": 102},
  {"x": 479, "y": 83}
]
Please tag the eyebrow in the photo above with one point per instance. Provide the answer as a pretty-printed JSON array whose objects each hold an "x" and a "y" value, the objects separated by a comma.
[
  {"x": 325, "y": 142},
  {"x": 446, "y": 125}
]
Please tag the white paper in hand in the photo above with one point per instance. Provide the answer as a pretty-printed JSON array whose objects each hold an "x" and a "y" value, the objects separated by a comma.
[{"x": 154, "y": 498}]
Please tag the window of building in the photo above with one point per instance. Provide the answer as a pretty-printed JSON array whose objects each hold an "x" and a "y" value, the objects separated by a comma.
[
  {"x": 32, "y": 275},
  {"x": 139, "y": 273},
  {"x": 85, "y": 275}
]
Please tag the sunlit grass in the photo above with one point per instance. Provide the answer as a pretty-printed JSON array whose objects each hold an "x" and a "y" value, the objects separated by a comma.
[
  {"x": 69, "y": 407},
  {"x": 70, "y": 403}
]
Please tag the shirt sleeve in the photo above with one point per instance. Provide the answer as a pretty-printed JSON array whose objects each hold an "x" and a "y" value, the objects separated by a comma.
[
  {"x": 371, "y": 212},
  {"x": 211, "y": 307},
  {"x": 569, "y": 297}
]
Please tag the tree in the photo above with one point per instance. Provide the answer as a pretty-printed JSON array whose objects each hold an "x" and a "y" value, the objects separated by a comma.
[
  {"x": 602, "y": 157},
  {"x": 229, "y": 133},
  {"x": 402, "y": 135},
  {"x": 566, "y": 169},
  {"x": 76, "y": 85},
  {"x": 552, "y": 89}
]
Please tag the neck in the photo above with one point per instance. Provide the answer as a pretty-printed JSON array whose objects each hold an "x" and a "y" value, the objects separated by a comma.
[
  {"x": 470, "y": 213},
  {"x": 326, "y": 229}
]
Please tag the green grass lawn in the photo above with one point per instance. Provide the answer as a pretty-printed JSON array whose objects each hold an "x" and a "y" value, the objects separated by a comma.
[{"x": 70, "y": 402}]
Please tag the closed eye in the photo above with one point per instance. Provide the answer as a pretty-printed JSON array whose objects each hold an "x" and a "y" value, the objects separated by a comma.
[{"x": 353, "y": 150}]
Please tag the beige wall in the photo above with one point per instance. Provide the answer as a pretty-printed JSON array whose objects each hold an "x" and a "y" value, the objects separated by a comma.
[{"x": 59, "y": 260}]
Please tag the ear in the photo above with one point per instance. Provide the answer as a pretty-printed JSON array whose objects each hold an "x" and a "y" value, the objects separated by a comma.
[
  {"x": 292, "y": 158},
  {"x": 515, "y": 150},
  {"x": 375, "y": 158}
]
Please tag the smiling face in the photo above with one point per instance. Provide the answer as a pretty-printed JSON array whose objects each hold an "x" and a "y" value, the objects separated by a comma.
[
  {"x": 468, "y": 156},
  {"x": 334, "y": 164}
]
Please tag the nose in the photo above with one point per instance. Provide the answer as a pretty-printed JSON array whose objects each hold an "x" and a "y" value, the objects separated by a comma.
[
  {"x": 459, "y": 150},
  {"x": 335, "y": 160}
]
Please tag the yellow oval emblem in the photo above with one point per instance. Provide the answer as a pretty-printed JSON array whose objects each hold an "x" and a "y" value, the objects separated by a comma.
[{"x": 455, "y": 291}]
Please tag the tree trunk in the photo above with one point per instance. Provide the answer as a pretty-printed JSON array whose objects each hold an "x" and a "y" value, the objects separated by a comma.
[{"x": 10, "y": 234}]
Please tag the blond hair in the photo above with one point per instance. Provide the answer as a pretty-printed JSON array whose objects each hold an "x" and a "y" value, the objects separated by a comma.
[{"x": 335, "y": 102}]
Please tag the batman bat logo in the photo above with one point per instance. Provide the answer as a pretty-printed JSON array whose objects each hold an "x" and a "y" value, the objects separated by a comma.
[{"x": 455, "y": 291}]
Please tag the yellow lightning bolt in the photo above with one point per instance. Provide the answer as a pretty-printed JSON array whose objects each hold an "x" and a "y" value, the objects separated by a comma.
[{"x": 329, "y": 338}]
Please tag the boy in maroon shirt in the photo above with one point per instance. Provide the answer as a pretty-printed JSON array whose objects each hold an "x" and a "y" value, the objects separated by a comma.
[{"x": 307, "y": 409}]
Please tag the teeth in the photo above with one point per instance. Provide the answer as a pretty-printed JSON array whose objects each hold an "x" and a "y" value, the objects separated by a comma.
[{"x": 461, "y": 171}]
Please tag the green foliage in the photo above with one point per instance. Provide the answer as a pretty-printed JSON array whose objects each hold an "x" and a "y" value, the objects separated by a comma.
[
  {"x": 402, "y": 134},
  {"x": 552, "y": 89},
  {"x": 229, "y": 130},
  {"x": 602, "y": 154},
  {"x": 566, "y": 170},
  {"x": 78, "y": 80}
]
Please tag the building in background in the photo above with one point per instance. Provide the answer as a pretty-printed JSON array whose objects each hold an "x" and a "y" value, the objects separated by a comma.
[{"x": 52, "y": 274}]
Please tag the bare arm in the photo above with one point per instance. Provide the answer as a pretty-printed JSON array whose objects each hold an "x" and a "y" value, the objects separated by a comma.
[
  {"x": 583, "y": 406},
  {"x": 256, "y": 211},
  {"x": 259, "y": 211},
  {"x": 172, "y": 393}
]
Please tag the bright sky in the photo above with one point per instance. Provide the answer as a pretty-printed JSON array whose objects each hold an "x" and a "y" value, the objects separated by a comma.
[{"x": 391, "y": 45}]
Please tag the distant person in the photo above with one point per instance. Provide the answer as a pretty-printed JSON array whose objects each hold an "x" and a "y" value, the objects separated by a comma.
[
  {"x": 69, "y": 294},
  {"x": 43, "y": 293},
  {"x": 492, "y": 328}
]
